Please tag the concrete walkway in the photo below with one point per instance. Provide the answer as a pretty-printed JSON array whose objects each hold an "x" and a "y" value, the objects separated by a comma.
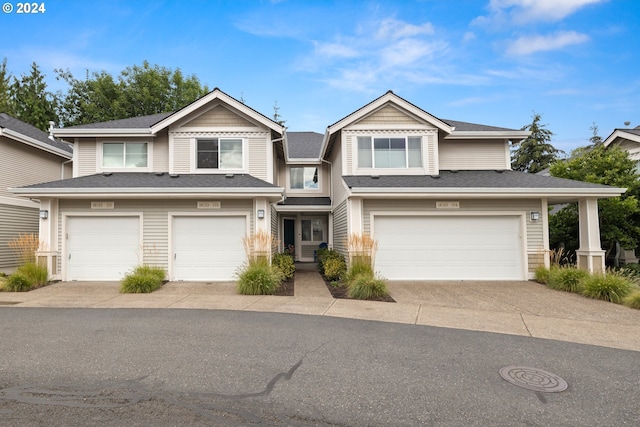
[{"x": 517, "y": 308}]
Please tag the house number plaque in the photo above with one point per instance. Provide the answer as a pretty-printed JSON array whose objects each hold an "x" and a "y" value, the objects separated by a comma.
[
  {"x": 447, "y": 205},
  {"x": 102, "y": 205},
  {"x": 208, "y": 205}
]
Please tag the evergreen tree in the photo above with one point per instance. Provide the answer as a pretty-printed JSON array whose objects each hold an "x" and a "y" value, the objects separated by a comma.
[
  {"x": 535, "y": 153},
  {"x": 31, "y": 101},
  {"x": 5, "y": 89}
]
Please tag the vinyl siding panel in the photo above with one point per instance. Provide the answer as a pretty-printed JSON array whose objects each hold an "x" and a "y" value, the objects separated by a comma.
[
  {"x": 387, "y": 115},
  {"x": 86, "y": 155},
  {"x": 472, "y": 155},
  {"x": 339, "y": 191},
  {"x": 23, "y": 165},
  {"x": 348, "y": 141},
  {"x": 161, "y": 153},
  {"x": 275, "y": 230},
  {"x": 181, "y": 155},
  {"x": 258, "y": 146},
  {"x": 219, "y": 116},
  {"x": 155, "y": 226},
  {"x": 14, "y": 220},
  {"x": 534, "y": 230},
  {"x": 340, "y": 228}
]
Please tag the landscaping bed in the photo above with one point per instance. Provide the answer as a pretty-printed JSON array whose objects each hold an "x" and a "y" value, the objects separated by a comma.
[
  {"x": 342, "y": 292},
  {"x": 286, "y": 287}
]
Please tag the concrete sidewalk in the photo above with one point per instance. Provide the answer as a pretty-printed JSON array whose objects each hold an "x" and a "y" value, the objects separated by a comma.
[{"x": 517, "y": 308}]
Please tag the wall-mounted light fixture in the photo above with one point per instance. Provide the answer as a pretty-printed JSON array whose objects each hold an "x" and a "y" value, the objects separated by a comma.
[
  {"x": 261, "y": 213},
  {"x": 44, "y": 214},
  {"x": 535, "y": 216}
]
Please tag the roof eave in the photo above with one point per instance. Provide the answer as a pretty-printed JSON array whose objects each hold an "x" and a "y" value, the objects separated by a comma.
[
  {"x": 102, "y": 132},
  {"x": 475, "y": 192},
  {"x": 34, "y": 143},
  {"x": 511, "y": 135},
  {"x": 150, "y": 192},
  {"x": 620, "y": 133}
]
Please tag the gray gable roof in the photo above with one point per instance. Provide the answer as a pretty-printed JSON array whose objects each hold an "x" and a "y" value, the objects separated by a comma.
[
  {"x": 473, "y": 127},
  {"x": 304, "y": 145},
  {"x": 140, "y": 122},
  {"x": 469, "y": 179},
  {"x": 156, "y": 180},
  {"x": 8, "y": 122}
]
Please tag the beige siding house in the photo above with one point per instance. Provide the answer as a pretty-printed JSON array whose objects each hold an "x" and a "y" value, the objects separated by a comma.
[
  {"x": 28, "y": 157},
  {"x": 181, "y": 190}
]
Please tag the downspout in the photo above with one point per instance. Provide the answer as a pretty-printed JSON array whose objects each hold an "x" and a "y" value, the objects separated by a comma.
[{"x": 62, "y": 167}]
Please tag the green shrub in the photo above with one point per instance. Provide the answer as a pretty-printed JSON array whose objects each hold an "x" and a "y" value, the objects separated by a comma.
[
  {"x": 259, "y": 278},
  {"x": 323, "y": 255},
  {"x": 334, "y": 268},
  {"x": 568, "y": 279},
  {"x": 633, "y": 269},
  {"x": 542, "y": 274},
  {"x": 358, "y": 269},
  {"x": 142, "y": 280},
  {"x": 632, "y": 300},
  {"x": 18, "y": 282},
  {"x": 613, "y": 286},
  {"x": 365, "y": 286},
  {"x": 285, "y": 263}
]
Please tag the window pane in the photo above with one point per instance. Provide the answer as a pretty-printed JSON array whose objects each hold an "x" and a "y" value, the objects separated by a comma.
[
  {"x": 230, "y": 154},
  {"x": 318, "y": 230},
  {"x": 381, "y": 152},
  {"x": 415, "y": 152},
  {"x": 136, "y": 155},
  {"x": 311, "y": 178},
  {"x": 296, "y": 178},
  {"x": 207, "y": 156},
  {"x": 306, "y": 230},
  {"x": 364, "y": 152},
  {"x": 113, "y": 155},
  {"x": 397, "y": 155}
]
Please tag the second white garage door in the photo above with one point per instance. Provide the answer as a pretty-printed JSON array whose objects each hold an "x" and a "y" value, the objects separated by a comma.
[
  {"x": 208, "y": 247},
  {"x": 449, "y": 248}
]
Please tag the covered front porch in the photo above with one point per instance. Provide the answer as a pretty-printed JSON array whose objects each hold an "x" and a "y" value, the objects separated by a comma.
[{"x": 303, "y": 226}]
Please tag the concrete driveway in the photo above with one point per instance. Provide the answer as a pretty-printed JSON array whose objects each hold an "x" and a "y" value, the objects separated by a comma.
[{"x": 516, "y": 308}]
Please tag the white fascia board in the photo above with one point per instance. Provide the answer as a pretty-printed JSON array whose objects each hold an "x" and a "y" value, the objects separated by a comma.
[
  {"x": 514, "y": 135},
  {"x": 325, "y": 142},
  {"x": 620, "y": 133},
  {"x": 189, "y": 191},
  {"x": 34, "y": 143},
  {"x": 486, "y": 192},
  {"x": 304, "y": 161},
  {"x": 395, "y": 99},
  {"x": 212, "y": 96},
  {"x": 26, "y": 203},
  {"x": 98, "y": 133}
]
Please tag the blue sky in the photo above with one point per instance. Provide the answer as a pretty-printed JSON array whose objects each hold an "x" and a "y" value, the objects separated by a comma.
[{"x": 493, "y": 62}]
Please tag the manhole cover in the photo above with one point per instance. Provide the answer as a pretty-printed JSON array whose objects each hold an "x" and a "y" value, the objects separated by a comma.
[{"x": 533, "y": 379}]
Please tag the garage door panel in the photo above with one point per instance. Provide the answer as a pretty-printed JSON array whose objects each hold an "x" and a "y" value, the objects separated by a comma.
[
  {"x": 208, "y": 248},
  {"x": 449, "y": 248},
  {"x": 102, "y": 248}
]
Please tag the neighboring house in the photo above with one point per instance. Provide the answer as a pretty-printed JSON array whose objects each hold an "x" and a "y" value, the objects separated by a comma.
[
  {"x": 27, "y": 156},
  {"x": 182, "y": 189}
]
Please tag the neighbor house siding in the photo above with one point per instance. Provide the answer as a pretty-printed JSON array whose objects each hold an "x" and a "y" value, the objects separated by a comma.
[
  {"x": 534, "y": 230},
  {"x": 472, "y": 155},
  {"x": 14, "y": 220},
  {"x": 86, "y": 155},
  {"x": 23, "y": 165},
  {"x": 275, "y": 230},
  {"x": 388, "y": 115},
  {"x": 155, "y": 225},
  {"x": 340, "y": 228},
  {"x": 219, "y": 116}
]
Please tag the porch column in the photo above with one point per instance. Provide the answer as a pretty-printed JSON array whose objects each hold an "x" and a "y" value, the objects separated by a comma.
[
  {"x": 590, "y": 254},
  {"x": 354, "y": 214},
  {"x": 47, "y": 253}
]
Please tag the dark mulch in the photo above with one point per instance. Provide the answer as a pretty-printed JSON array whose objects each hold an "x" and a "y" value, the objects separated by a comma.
[
  {"x": 343, "y": 293},
  {"x": 286, "y": 288}
]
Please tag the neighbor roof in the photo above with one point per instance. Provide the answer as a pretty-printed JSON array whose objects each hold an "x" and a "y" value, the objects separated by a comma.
[
  {"x": 304, "y": 145},
  {"x": 130, "y": 123},
  {"x": 32, "y": 132}
]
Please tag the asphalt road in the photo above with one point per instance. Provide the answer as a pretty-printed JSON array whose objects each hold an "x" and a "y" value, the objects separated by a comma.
[{"x": 80, "y": 367}]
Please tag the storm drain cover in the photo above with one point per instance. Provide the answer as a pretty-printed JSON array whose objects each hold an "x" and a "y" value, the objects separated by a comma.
[{"x": 533, "y": 379}]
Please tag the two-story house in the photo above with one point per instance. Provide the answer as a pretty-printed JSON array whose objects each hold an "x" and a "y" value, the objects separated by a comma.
[
  {"x": 182, "y": 189},
  {"x": 27, "y": 156}
]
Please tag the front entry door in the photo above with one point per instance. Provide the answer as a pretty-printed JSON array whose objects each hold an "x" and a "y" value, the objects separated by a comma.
[
  {"x": 288, "y": 234},
  {"x": 313, "y": 232}
]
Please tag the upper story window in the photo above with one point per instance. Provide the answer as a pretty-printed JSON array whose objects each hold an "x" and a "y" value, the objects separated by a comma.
[
  {"x": 303, "y": 178},
  {"x": 219, "y": 153},
  {"x": 124, "y": 155},
  {"x": 396, "y": 153}
]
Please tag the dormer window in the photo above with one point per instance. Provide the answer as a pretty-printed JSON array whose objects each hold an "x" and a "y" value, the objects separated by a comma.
[
  {"x": 303, "y": 178},
  {"x": 117, "y": 155},
  {"x": 393, "y": 152},
  {"x": 219, "y": 153}
]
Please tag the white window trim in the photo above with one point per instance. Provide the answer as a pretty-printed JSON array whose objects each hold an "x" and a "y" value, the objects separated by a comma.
[
  {"x": 422, "y": 170},
  {"x": 193, "y": 155},
  {"x": 303, "y": 190},
  {"x": 99, "y": 156}
]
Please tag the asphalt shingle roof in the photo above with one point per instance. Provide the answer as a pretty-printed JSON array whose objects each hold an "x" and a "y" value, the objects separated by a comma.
[
  {"x": 468, "y": 179},
  {"x": 156, "y": 180},
  {"x": 8, "y": 122},
  {"x": 141, "y": 122},
  {"x": 473, "y": 127},
  {"x": 304, "y": 145}
]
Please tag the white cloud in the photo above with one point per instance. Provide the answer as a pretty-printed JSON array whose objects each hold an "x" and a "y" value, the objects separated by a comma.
[
  {"x": 408, "y": 51},
  {"x": 533, "y": 44},
  {"x": 524, "y": 11},
  {"x": 335, "y": 50},
  {"x": 393, "y": 29}
]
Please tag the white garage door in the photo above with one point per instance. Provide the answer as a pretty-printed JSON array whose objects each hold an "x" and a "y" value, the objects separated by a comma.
[
  {"x": 449, "y": 248},
  {"x": 102, "y": 248},
  {"x": 208, "y": 247}
]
